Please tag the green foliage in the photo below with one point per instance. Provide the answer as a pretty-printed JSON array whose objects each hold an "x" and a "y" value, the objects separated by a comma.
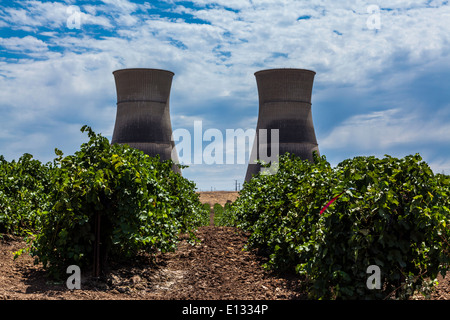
[
  {"x": 397, "y": 217},
  {"x": 206, "y": 206},
  {"x": 24, "y": 193},
  {"x": 143, "y": 204},
  {"x": 218, "y": 211},
  {"x": 222, "y": 215}
]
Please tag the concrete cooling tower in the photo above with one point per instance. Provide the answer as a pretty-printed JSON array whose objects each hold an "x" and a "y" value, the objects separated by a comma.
[
  {"x": 143, "y": 113},
  {"x": 285, "y": 104}
]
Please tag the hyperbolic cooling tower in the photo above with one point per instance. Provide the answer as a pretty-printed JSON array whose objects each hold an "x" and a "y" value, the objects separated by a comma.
[
  {"x": 143, "y": 113},
  {"x": 285, "y": 104}
]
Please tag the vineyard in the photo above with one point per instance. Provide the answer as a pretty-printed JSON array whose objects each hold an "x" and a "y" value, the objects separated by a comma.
[
  {"x": 141, "y": 203},
  {"x": 156, "y": 239},
  {"x": 390, "y": 213}
]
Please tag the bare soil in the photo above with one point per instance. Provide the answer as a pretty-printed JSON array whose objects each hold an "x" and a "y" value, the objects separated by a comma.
[
  {"x": 220, "y": 197},
  {"x": 216, "y": 268}
]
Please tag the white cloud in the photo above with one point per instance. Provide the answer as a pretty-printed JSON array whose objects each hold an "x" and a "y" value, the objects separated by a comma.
[
  {"x": 216, "y": 177},
  {"x": 214, "y": 62},
  {"x": 383, "y": 130},
  {"x": 235, "y": 4},
  {"x": 187, "y": 122},
  {"x": 51, "y": 15},
  {"x": 440, "y": 165},
  {"x": 26, "y": 44},
  {"x": 122, "y": 5},
  {"x": 334, "y": 40}
]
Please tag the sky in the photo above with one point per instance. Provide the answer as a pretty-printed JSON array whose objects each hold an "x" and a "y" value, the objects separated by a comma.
[{"x": 381, "y": 85}]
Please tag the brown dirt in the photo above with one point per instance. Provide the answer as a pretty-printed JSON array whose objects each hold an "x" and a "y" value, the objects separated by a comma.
[
  {"x": 220, "y": 197},
  {"x": 216, "y": 268}
]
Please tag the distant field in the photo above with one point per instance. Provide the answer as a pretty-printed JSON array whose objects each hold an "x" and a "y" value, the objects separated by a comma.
[{"x": 220, "y": 197}]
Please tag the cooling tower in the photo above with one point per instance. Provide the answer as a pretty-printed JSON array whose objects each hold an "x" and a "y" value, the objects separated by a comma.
[
  {"x": 285, "y": 104},
  {"x": 143, "y": 113}
]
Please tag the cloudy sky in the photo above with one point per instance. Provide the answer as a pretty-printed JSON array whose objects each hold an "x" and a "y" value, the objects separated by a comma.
[{"x": 382, "y": 82}]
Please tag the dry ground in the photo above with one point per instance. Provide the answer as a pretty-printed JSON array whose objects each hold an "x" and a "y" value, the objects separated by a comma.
[
  {"x": 215, "y": 268},
  {"x": 220, "y": 197}
]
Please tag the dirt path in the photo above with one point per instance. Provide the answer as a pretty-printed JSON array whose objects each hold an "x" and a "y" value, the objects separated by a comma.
[
  {"x": 215, "y": 268},
  {"x": 218, "y": 268}
]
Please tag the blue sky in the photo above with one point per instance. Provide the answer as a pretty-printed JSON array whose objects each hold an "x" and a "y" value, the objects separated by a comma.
[{"x": 382, "y": 90}]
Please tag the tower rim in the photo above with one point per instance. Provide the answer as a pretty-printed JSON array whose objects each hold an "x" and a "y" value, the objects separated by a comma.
[
  {"x": 283, "y": 69},
  {"x": 142, "y": 69}
]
